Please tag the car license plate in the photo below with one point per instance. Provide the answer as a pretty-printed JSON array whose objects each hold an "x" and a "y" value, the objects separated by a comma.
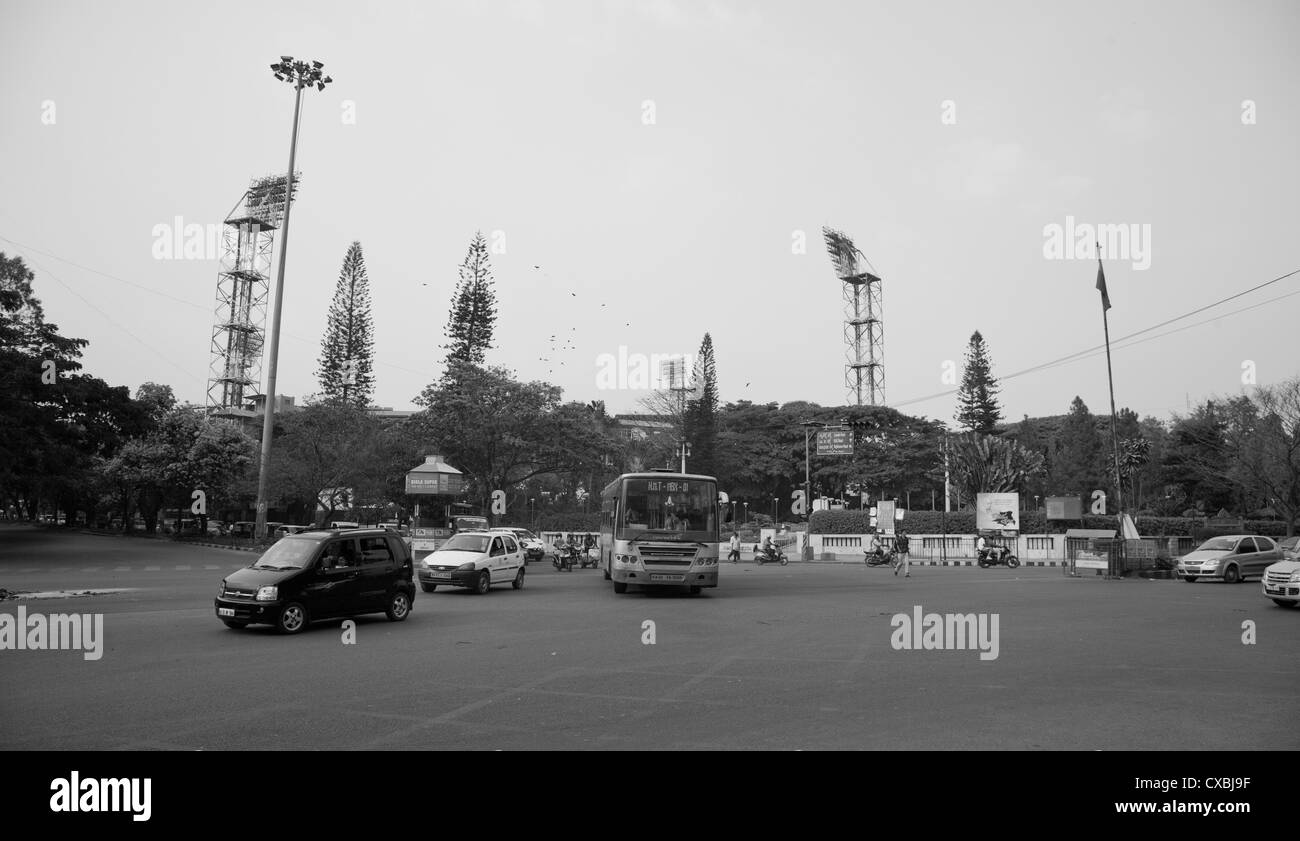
[
  {"x": 444, "y": 576},
  {"x": 667, "y": 577},
  {"x": 225, "y": 611}
]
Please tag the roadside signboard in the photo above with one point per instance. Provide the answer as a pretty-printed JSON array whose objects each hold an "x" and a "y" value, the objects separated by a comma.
[
  {"x": 835, "y": 441},
  {"x": 1064, "y": 508},
  {"x": 997, "y": 512}
]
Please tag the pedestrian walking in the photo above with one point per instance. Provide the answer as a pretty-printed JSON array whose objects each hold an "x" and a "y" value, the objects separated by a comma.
[
  {"x": 900, "y": 550},
  {"x": 734, "y": 554}
]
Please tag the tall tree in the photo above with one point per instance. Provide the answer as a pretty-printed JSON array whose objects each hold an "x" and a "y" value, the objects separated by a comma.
[
  {"x": 1196, "y": 458},
  {"x": 702, "y": 412},
  {"x": 1080, "y": 462},
  {"x": 473, "y": 313},
  {"x": 346, "y": 368},
  {"x": 977, "y": 405},
  {"x": 989, "y": 464}
]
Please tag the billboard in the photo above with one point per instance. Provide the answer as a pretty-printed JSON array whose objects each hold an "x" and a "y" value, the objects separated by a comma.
[
  {"x": 997, "y": 512},
  {"x": 885, "y": 516},
  {"x": 1064, "y": 508},
  {"x": 434, "y": 483},
  {"x": 835, "y": 441}
]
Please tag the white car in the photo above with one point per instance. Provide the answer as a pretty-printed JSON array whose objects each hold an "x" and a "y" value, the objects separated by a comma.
[
  {"x": 534, "y": 548},
  {"x": 1282, "y": 583},
  {"x": 475, "y": 560}
]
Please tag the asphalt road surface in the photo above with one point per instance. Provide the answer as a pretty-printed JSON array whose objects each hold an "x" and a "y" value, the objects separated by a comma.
[{"x": 795, "y": 657}]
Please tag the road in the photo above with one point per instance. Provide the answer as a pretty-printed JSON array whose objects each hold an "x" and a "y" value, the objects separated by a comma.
[{"x": 795, "y": 657}]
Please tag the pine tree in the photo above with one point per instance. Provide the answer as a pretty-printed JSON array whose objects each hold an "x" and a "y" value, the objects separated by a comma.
[
  {"x": 978, "y": 409},
  {"x": 473, "y": 312},
  {"x": 346, "y": 367},
  {"x": 1081, "y": 462},
  {"x": 702, "y": 413}
]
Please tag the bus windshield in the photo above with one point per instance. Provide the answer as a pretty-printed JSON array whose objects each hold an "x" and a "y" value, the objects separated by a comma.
[{"x": 680, "y": 505}]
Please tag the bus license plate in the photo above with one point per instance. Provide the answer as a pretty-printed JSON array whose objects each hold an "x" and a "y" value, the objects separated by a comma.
[{"x": 667, "y": 577}]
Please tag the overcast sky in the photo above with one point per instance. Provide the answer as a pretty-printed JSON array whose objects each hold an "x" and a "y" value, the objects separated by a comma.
[{"x": 662, "y": 159}]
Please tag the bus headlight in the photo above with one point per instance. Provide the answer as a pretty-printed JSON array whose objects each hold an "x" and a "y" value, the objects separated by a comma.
[{"x": 625, "y": 559}]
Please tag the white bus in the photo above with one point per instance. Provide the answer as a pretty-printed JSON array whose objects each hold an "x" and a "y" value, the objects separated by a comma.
[{"x": 660, "y": 529}]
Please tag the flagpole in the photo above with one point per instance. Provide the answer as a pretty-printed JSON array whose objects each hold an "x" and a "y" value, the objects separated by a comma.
[{"x": 1110, "y": 377}]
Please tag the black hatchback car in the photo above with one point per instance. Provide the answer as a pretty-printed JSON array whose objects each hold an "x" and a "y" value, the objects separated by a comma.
[{"x": 321, "y": 575}]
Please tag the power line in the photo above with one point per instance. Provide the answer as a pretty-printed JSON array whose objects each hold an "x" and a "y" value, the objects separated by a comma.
[
  {"x": 1096, "y": 349},
  {"x": 110, "y": 320}
]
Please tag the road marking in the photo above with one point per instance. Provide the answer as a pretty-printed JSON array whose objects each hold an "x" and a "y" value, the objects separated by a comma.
[
  {"x": 183, "y": 567},
  {"x": 91, "y": 569},
  {"x": 211, "y": 566},
  {"x": 152, "y": 569}
]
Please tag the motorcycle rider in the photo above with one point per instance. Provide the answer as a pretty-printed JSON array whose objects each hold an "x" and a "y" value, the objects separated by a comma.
[
  {"x": 981, "y": 548},
  {"x": 769, "y": 551},
  {"x": 875, "y": 551}
]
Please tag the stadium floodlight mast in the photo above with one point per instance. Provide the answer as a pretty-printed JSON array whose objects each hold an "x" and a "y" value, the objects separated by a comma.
[{"x": 300, "y": 74}]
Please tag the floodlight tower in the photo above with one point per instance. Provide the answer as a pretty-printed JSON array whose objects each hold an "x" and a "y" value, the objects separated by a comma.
[
  {"x": 864, "y": 334},
  {"x": 239, "y": 328}
]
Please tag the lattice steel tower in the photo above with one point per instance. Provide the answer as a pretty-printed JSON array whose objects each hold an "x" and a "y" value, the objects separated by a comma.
[
  {"x": 239, "y": 329},
  {"x": 864, "y": 333}
]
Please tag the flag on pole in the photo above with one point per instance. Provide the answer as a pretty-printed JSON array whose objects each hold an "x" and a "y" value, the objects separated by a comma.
[{"x": 1101, "y": 283}]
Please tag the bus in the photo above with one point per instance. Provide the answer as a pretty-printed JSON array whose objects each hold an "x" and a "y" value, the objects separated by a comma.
[
  {"x": 430, "y": 530},
  {"x": 660, "y": 529}
]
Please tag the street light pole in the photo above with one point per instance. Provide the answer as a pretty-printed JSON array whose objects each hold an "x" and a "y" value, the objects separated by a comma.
[{"x": 300, "y": 74}]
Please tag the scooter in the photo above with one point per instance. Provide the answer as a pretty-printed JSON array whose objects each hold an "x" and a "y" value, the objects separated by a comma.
[
  {"x": 586, "y": 559},
  {"x": 998, "y": 556},
  {"x": 564, "y": 559},
  {"x": 875, "y": 559},
  {"x": 777, "y": 557}
]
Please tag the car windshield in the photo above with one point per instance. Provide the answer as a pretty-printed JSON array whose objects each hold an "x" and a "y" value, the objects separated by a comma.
[
  {"x": 1217, "y": 544},
  {"x": 524, "y": 535},
  {"x": 467, "y": 543},
  {"x": 289, "y": 553}
]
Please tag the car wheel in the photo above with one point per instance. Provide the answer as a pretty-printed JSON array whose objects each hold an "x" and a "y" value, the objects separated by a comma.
[
  {"x": 292, "y": 618},
  {"x": 1190, "y": 579},
  {"x": 620, "y": 587},
  {"x": 518, "y": 583},
  {"x": 1283, "y": 603},
  {"x": 239, "y": 626},
  {"x": 1231, "y": 575},
  {"x": 399, "y": 606},
  {"x": 484, "y": 583}
]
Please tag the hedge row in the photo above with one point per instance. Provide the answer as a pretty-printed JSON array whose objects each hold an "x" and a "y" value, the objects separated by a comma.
[{"x": 1035, "y": 522}]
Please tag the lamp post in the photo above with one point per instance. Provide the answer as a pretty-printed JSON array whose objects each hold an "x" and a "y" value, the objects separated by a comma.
[
  {"x": 300, "y": 74},
  {"x": 807, "y": 469},
  {"x": 746, "y": 504},
  {"x": 776, "y": 500}
]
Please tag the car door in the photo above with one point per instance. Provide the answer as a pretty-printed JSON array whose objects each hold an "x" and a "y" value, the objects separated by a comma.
[
  {"x": 514, "y": 559},
  {"x": 497, "y": 559},
  {"x": 336, "y": 588},
  {"x": 1244, "y": 556},
  {"x": 377, "y": 567},
  {"x": 1267, "y": 554}
]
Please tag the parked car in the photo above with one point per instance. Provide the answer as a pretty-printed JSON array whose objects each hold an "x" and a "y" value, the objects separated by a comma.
[
  {"x": 1232, "y": 558},
  {"x": 1281, "y": 582},
  {"x": 320, "y": 575},
  {"x": 284, "y": 530},
  {"x": 475, "y": 560},
  {"x": 534, "y": 548}
]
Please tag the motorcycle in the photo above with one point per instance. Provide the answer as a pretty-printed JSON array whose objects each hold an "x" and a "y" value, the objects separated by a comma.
[
  {"x": 880, "y": 558},
  {"x": 775, "y": 557},
  {"x": 998, "y": 556},
  {"x": 588, "y": 559},
  {"x": 564, "y": 559}
]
